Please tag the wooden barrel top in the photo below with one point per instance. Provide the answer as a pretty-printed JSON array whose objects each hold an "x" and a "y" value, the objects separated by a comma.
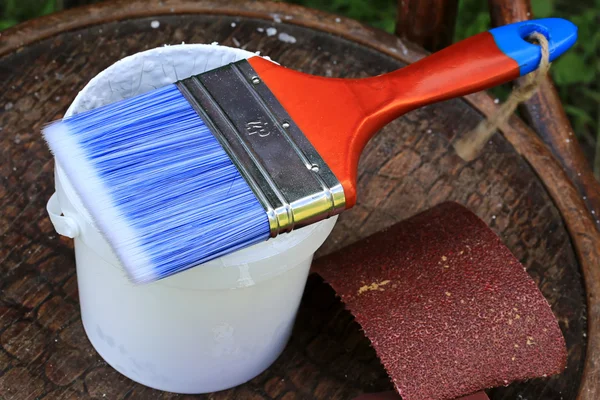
[{"x": 515, "y": 186}]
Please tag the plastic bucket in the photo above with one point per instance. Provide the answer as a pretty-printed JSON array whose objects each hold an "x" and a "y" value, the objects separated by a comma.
[{"x": 206, "y": 329}]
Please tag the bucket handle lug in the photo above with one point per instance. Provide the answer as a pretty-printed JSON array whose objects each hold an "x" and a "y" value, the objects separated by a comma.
[{"x": 63, "y": 225}]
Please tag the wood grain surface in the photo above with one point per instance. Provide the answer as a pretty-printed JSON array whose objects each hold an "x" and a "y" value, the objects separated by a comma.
[
  {"x": 429, "y": 23},
  {"x": 546, "y": 115},
  {"x": 515, "y": 186}
]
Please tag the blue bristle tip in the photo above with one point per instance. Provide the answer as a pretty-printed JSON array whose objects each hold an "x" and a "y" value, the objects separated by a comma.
[{"x": 158, "y": 183}]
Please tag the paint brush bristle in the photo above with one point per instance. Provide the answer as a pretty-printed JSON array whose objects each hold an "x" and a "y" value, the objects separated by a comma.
[{"x": 157, "y": 183}]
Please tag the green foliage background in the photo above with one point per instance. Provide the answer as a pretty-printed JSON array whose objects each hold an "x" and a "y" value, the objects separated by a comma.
[{"x": 576, "y": 74}]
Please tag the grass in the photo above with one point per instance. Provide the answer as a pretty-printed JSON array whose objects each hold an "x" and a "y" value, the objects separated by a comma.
[
  {"x": 15, "y": 11},
  {"x": 576, "y": 74}
]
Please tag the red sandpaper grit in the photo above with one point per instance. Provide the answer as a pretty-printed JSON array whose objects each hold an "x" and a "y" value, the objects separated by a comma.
[
  {"x": 394, "y": 396},
  {"x": 447, "y": 307}
]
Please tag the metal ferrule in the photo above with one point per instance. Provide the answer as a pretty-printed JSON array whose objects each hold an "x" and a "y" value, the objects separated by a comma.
[{"x": 282, "y": 167}]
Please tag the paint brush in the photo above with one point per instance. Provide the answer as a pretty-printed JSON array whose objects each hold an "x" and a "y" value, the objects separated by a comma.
[{"x": 219, "y": 161}]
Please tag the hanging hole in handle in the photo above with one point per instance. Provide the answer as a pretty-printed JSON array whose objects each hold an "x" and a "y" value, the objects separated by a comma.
[
  {"x": 526, "y": 31},
  {"x": 533, "y": 39}
]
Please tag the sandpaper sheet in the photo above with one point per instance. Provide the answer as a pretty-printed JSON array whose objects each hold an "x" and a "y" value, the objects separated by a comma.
[
  {"x": 394, "y": 396},
  {"x": 447, "y": 307}
]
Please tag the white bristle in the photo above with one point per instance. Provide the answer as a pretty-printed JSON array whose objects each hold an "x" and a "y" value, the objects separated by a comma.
[{"x": 157, "y": 183}]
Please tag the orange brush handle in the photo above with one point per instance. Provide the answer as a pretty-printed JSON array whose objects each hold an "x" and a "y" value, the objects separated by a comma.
[{"x": 339, "y": 116}]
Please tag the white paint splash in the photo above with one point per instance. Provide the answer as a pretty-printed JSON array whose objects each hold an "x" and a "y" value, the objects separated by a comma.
[
  {"x": 154, "y": 24},
  {"x": 245, "y": 279},
  {"x": 284, "y": 37},
  {"x": 271, "y": 31}
]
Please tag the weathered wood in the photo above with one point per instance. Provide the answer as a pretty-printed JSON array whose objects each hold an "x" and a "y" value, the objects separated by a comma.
[
  {"x": 516, "y": 186},
  {"x": 545, "y": 114},
  {"x": 502, "y": 11},
  {"x": 429, "y": 23},
  {"x": 34, "y": 30}
]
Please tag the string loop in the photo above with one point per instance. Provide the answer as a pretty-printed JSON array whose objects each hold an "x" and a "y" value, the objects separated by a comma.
[{"x": 471, "y": 144}]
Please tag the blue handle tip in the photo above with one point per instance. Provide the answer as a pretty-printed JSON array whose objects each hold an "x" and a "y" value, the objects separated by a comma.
[{"x": 511, "y": 39}]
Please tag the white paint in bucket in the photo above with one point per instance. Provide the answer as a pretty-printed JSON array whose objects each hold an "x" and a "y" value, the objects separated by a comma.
[{"x": 206, "y": 329}]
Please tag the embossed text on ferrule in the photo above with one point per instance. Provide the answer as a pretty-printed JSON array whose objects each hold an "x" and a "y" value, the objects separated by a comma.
[{"x": 259, "y": 128}]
